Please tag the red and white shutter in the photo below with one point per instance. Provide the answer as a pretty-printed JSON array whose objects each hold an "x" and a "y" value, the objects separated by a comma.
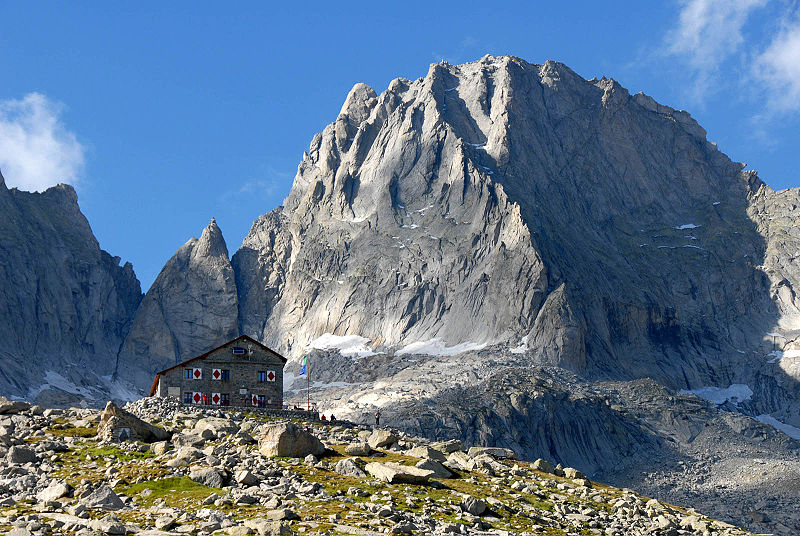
[
  {"x": 255, "y": 400},
  {"x": 270, "y": 375},
  {"x": 216, "y": 374},
  {"x": 197, "y": 398},
  {"x": 197, "y": 374},
  {"x": 216, "y": 399}
]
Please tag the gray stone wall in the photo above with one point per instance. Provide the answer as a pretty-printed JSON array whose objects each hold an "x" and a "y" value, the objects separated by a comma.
[{"x": 242, "y": 384}]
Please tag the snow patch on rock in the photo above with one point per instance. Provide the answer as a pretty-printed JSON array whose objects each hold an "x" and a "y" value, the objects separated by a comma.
[
  {"x": 348, "y": 345},
  {"x": 435, "y": 347},
  {"x": 788, "y": 429},
  {"x": 522, "y": 348},
  {"x": 120, "y": 390},
  {"x": 736, "y": 393}
]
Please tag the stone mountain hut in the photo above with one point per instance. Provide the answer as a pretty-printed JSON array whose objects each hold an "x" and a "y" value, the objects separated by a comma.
[{"x": 242, "y": 373}]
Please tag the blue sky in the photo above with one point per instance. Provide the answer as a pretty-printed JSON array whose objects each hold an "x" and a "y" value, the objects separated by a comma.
[{"x": 163, "y": 117}]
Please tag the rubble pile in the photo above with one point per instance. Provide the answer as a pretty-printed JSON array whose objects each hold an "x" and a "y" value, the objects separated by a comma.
[{"x": 218, "y": 474}]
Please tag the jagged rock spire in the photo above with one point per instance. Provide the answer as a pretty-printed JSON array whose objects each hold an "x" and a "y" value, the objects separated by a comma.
[
  {"x": 211, "y": 242},
  {"x": 191, "y": 307}
]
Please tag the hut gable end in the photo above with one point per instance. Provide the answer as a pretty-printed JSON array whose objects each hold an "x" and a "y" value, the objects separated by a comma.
[{"x": 242, "y": 372}]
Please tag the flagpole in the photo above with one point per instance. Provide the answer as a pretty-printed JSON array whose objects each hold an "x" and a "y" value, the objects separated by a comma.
[{"x": 308, "y": 386}]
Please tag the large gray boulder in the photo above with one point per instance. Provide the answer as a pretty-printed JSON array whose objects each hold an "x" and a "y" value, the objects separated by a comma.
[
  {"x": 360, "y": 448},
  {"x": 117, "y": 424},
  {"x": 473, "y": 506},
  {"x": 288, "y": 439},
  {"x": 12, "y": 407},
  {"x": 426, "y": 452},
  {"x": 208, "y": 476},
  {"x": 543, "y": 466},
  {"x": 265, "y": 527},
  {"x": 54, "y": 491},
  {"x": 217, "y": 425},
  {"x": 348, "y": 467},
  {"x": 394, "y": 473},
  {"x": 495, "y": 452},
  {"x": 435, "y": 466},
  {"x": 18, "y": 455},
  {"x": 381, "y": 438},
  {"x": 246, "y": 477},
  {"x": 104, "y": 498}
]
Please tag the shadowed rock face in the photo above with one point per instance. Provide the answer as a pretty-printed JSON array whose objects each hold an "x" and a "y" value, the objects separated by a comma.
[
  {"x": 191, "y": 307},
  {"x": 66, "y": 304}
]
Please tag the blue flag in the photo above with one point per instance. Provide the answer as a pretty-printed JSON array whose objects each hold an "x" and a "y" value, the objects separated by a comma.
[{"x": 303, "y": 368}]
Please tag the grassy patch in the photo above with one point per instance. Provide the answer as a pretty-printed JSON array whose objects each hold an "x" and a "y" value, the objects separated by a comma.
[
  {"x": 174, "y": 491},
  {"x": 72, "y": 431},
  {"x": 119, "y": 454}
]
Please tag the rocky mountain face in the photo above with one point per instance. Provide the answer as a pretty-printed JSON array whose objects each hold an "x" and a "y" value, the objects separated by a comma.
[
  {"x": 191, "y": 307},
  {"x": 66, "y": 304},
  {"x": 498, "y": 200}
]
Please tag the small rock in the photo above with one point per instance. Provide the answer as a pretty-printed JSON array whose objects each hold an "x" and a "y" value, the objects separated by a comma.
[
  {"x": 427, "y": 452},
  {"x": 208, "y": 476},
  {"x": 348, "y": 467},
  {"x": 358, "y": 449},
  {"x": 104, "y": 498},
  {"x": 473, "y": 506},
  {"x": 282, "y": 514}
]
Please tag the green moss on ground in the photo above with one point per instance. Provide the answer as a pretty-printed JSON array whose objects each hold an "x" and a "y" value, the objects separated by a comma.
[
  {"x": 175, "y": 491},
  {"x": 73, "y": 431}
]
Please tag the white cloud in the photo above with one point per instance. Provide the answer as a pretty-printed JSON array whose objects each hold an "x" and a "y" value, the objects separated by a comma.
[
  {"x": 36, "y": 149},
  {"x": 778, "y": 67},
  {"x": 269, "y": 184},
  {"x": 708, "y": 33}
]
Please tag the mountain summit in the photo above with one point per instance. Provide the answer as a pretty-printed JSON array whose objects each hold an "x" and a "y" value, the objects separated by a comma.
[
  {"x": 191, "y": 306},
  {"x": 501, "y": 200},
  {"x": 507, "y": 203}
]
